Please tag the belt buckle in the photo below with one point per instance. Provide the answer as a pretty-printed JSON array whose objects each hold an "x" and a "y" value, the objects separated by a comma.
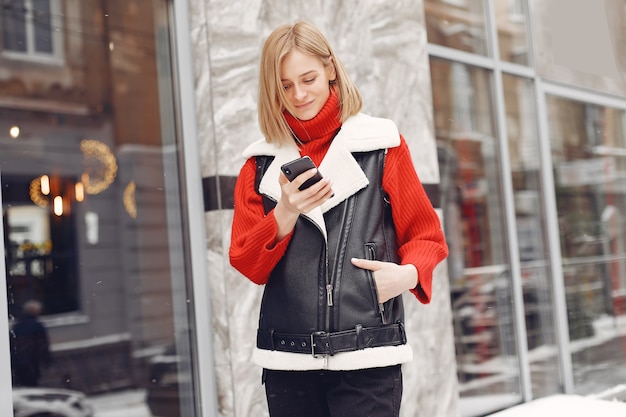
[{"x": 313, "y": 344}]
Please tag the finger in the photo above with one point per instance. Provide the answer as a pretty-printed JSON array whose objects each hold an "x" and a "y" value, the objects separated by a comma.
[
  {"x": 301, "y": 179},
  {"x": 366, "y": 264},
  {"x": 320, "y": 188}
]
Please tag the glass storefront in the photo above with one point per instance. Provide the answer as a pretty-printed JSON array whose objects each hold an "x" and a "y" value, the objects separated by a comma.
[
  {"x": 588, "y": 146},
  {"x": 95, "y": 236},
  {"x": 479, "y": 273},
  {"x": 92, "y": 211},
  {"x": 511, "y": 23},
  {"x": 533, "y": 314},
  {"x": 531, "y": 225},
  {"x": 458, "y": 24}
]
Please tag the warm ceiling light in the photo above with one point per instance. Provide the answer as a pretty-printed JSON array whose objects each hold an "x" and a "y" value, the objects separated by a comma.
[
  {"x": 58, "y": 205},
  {"x": 79, "y": 191},
  {"x": 45, "y": 185},
  {"x": 14, "y": 131}
]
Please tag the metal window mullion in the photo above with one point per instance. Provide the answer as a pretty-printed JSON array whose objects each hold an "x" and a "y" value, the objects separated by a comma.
[
  {"x": 459, "y": 56},
  {"x": 529, "y": 31},
  {"x": 516, "y": 69},
  {"x": 57, "y": 29},
  {"x": 29, "y": 25},
  {"x": 6, "y": 386},
  {"x": 480, "y": 61},
  {"x": 554, "y": 245},
  {"x": 583, "y": 95},
  {"x": 509, "y": 209}
]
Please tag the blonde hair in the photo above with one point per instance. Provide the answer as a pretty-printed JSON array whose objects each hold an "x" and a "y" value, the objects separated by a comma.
[{"x": 306, "y": 38}]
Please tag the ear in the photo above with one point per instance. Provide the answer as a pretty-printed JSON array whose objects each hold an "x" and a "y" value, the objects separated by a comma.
[{"x": 331, "y": 71}]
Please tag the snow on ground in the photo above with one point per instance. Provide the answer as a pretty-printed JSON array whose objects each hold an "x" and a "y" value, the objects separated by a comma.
[
  {"x": 566, "y": 405},
  {"x": 121, "y": 404},
  {"x": 132, "y": 404}
]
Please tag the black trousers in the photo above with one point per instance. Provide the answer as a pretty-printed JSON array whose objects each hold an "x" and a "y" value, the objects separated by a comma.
[{"x": 374, "y": 392}]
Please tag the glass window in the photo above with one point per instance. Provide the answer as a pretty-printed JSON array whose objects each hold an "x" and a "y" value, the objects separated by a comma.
[
  {"x": 513, "y": 36},
  {"x": 32, "y": 28},
  {"x": 480, "y": 277},
  {"x": 588, "y": 145},
  {"x": 42, "y": 22},
  {"x": 524, "y": 157},
  {"x": 14, "y": 25},
  {"x": 92, "y": 212},
  {"x": 458, "y": 24}
]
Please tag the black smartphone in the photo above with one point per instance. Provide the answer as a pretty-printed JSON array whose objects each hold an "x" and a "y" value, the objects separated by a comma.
[{"x": 298, "y": 166}]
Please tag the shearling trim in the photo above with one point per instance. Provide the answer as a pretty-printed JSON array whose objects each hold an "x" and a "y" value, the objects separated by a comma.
[
  {"x": 360, "y": 133},
  {"x": 346, "y": 361}
]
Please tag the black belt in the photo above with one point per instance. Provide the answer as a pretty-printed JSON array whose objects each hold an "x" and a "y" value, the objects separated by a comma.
[{"x": 325, "y": 343}]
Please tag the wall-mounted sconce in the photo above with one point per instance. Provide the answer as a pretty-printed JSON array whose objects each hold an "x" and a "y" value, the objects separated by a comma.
[{"x": 14, "y": 132}]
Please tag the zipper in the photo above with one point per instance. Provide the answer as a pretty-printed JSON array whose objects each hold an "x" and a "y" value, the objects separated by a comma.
[
  {"x": 327, "y": 278},
  {"x": 329, "y": 275},
  {"x": 371, "y": 255},
  {"x": 329, "y": 295}
]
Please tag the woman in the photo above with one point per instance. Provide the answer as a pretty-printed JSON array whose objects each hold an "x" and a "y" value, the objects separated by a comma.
[{"x": 335, "y": 257}]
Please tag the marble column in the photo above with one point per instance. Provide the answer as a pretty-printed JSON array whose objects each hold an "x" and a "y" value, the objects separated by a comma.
[{"x": 382, "y": 44}]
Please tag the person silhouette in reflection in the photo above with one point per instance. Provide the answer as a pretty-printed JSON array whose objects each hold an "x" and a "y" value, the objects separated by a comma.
[{"x": 30, "y": 346}]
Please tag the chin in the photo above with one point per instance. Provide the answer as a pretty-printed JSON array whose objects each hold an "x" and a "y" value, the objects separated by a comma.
[{"x": 306, "y": 115}]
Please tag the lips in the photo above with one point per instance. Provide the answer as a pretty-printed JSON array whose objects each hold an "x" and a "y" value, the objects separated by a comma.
[{"x": 304, "y": 106}]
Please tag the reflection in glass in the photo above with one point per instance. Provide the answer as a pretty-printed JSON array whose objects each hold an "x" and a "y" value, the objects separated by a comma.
[
  {"x": 458, "y": 24},
  {"x": 589, "y": 157},
  {"x": 42, "y": 24},
  {"x": 14, "y": 26},
  {"x": 480, "y": 278},
  {"x": 39, "y": 256},
  {"x": 31, "y": 28},
  {"x": 523, "y": 141},
  {"x": 91, "y": 206},
  {"x": 511, "y": 17}
]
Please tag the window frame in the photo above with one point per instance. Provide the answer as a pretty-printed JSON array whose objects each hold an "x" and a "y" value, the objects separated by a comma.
[
  {"x": 6, "y": 385},
  {"x": 56, "y": 33}
]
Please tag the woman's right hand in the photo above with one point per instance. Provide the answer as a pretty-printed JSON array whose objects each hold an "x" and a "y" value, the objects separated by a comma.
[{"x": 294, "y": 201}]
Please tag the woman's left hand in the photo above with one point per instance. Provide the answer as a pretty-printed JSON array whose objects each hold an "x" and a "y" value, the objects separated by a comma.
[{"x": 391, "y": 279}]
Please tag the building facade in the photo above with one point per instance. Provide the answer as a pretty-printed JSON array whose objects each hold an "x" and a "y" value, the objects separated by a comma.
[{"x": 121, "y": 130}]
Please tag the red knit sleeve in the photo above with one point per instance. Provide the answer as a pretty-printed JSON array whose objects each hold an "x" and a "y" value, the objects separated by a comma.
[
  {"x": 421, "y": 240},
  {"x": 253, "y": 250}
]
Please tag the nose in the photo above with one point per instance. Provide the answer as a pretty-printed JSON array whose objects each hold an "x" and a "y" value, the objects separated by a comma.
[{"x": 299, "y": 93}]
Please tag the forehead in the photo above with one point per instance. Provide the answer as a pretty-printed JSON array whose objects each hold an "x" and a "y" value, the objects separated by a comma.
[{"x": 297, "y": 63}]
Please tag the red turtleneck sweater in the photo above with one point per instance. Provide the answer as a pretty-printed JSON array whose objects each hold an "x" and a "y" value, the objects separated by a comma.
[{"x": 253, "y": 250}]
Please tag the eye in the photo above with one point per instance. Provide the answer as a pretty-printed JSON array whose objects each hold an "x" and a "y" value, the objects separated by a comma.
[
  {"x": 309, "y": 80},
  {"x": 286, "y": 87}
]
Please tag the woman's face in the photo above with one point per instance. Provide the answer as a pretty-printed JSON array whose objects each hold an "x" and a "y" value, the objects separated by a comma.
[{"x": 305, "y": 81}]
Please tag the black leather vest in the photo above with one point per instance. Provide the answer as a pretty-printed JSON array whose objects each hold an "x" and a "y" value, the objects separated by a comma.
[{"x": 315, "y": 288}]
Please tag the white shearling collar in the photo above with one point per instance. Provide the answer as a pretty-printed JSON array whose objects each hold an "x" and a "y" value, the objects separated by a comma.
[{"x": 359, "y": 133}]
